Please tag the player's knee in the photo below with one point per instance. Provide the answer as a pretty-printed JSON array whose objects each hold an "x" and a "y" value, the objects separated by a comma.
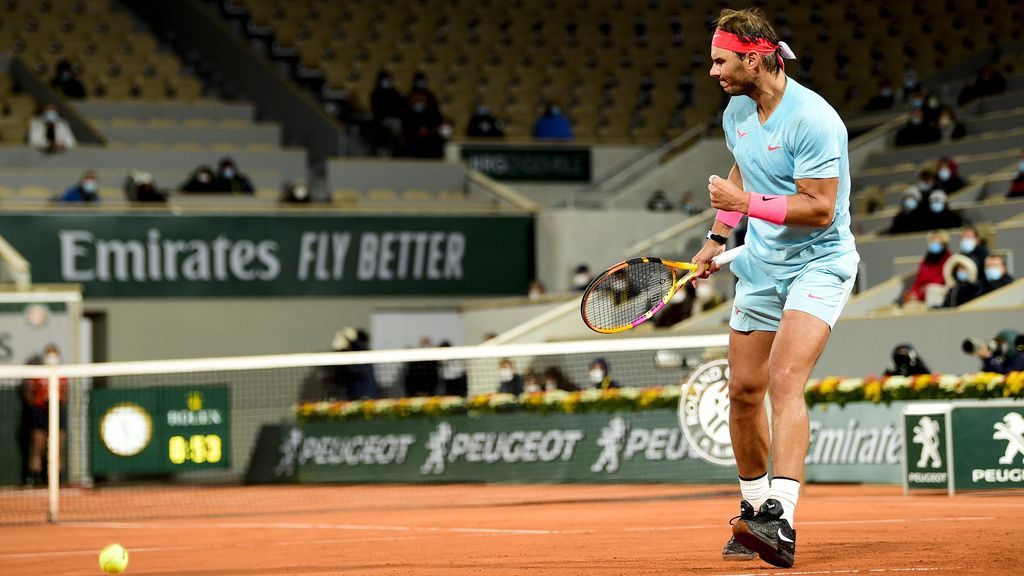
[{"x": 744, "y": 393}]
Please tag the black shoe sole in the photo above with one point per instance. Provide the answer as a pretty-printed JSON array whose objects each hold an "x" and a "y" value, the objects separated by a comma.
[
  {"x": 764, "y": 548},
  {"x": 739, "y": 557}
]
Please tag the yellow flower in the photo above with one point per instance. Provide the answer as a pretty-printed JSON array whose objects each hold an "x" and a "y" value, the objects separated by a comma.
[
  {"x": 828, "y": 385},
  {"x": 873, "y": 391}
]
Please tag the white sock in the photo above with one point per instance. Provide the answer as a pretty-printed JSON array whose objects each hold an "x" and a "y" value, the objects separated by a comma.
[
  {"x": 786, "y": 491},
  {"x": 755, "y": 491}
]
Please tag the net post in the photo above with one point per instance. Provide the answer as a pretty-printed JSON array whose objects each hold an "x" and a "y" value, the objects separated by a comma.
[{"x": 53, "y": 448}]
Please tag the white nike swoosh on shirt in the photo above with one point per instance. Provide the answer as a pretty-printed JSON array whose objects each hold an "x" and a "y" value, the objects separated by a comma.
[{"x": 783, "y": 537}]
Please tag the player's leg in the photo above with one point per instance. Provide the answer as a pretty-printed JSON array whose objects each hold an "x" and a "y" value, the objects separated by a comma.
[{"x": 37, "y": 444}]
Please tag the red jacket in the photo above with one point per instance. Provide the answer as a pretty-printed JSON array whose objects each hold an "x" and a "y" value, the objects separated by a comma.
[
  {"x": 39, "y": 392},
  {"x": 929, "y": 272}
]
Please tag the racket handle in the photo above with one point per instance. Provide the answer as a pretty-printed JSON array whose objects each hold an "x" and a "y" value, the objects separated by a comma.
[{"x": 727, "y": 256}]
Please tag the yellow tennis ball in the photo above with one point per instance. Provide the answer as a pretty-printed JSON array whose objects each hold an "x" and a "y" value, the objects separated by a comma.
[{"x": 113, "y": 559}]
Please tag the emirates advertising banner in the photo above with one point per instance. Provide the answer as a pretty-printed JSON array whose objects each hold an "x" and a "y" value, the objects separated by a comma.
[{"x": 131, "y": 255}]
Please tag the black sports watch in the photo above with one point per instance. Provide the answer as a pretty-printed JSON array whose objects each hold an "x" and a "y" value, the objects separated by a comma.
[{"x": 716, "y": 237}]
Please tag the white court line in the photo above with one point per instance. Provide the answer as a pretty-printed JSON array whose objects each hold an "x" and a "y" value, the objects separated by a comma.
[
  {"x": 851, "y": 571},
  {"x": 311, "y": 526},
  {"x": 819, "y": 523}
]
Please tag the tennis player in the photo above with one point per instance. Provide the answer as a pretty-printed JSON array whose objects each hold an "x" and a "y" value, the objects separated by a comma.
[{"x": 791, "y": 179}]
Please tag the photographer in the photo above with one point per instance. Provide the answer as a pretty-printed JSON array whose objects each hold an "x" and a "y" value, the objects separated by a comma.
[
  {"x": 906, "y": 362},
  {"x": 1002, "y": 355}
]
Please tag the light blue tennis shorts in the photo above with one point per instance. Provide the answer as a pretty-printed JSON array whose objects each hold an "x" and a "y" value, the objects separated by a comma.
[{"x": 821, "y": 289}]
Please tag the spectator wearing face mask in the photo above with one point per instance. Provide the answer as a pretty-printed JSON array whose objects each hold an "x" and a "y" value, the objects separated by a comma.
[
  {"x": 139, "y": 186},
  {"x": 49, "y": 132},
  {"x": 85, "y": 191},
  {"x": 906, "y": 362},
  {"x": 65, "y": 82},
  {"x": 939, "y": 215},
  {"x": 962, "y": 281},
  {"x": 974, "y": 247},
  {"x": 911, "y": 217},
  {"x": 581, "y": 278},
  {"x": 484, "y": 124},
  {"x": 421, "y": 127},
  {"x": 555, "y": 379},
  {"x": 1017, "y": 186},
  {"x": 296, "y": 193},
  {"x": 552, "y": 125},
  {"x": 600, "y": 375},
  {"x": 37, "y": 395},
  {"x": 884, "y": 99},
  {"x": 510, "y": 382},
  {"x": 930, "y": 270},
  {"x": 658, "y": 202},
  {"x": 202, "y": 180},
  {"x": 388, "y": 107},
  {"x": 229, "y": 179},
  {"x": 996, "y": 275},
  {"x": 947, "y": 176},
  {"x": 988, "y": 82},
  {"x": 949, "y": 127},
  {"x": 916, "y": 130}
]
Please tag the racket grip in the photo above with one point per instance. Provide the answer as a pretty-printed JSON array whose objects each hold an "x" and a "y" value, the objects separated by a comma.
[{"x": 727, "y": 256}]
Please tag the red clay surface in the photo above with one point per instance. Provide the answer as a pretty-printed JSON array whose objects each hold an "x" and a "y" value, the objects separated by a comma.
[{"x": 545, "y": 530}]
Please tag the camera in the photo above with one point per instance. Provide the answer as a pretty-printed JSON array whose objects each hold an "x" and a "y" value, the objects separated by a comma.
[
  {"x": 972, "y": 346},
  {"x": 1002, "y": 354}
]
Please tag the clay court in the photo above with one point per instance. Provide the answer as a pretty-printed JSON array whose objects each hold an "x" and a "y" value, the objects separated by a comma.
[{"x": 503, "y": 529}]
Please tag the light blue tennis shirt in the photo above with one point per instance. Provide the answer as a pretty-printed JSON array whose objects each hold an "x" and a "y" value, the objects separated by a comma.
[{"x": 803, "y": 138}]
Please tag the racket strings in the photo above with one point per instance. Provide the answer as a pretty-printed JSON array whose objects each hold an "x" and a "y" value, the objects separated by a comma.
[{"x": 621, "y": 297}]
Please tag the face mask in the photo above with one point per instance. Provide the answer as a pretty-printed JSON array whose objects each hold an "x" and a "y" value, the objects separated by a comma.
[
  {"x": 580, "y": 280},
  {"x": 550, "y": 385},
  {"x": 534, "y": 294},
  {"x": 51, "y": 359},
  {"x": 915, "y": 120},
  {"x": 506, "y": 374},
  {"x": 704, "y": 292},
  {"x": 945, "y": 122},
  {"x": 944, "y": 173},
  {"x": 483, "y": 110},
  {"x": 555, "y": 110},
  {"x": 51, "y": 115},
  {"x": 445, "y": 131},
  {"x": 203, "y": 177},
  {"x": 935, "y": 247},
  {"x": 967, "y": 245},
  {"x": 917, "y": 102},
  {"x": 924, "y": 186},
  {"x": 531, "y": 387},
  {"x": 419, "y": 107},
  {"x": 90, "y": 186},
  {"x": 300, "y": 192},
  {"x": 65, "y": 75},
  {"x": 227, "y": 173},
  {"x": 933, "y": 102},
  {"x": 596, "y": 376},
  {"x": 885, "y": 92},
  {"x": 910, "y": 204},
  {"x": 992, "y": 273},
  {"x": 937, "y": 207},
  {"x": 678, "y": 297},
  {"x": 385, "y": 83},
  {"x": 420, "y": 84},
  {"x": 961, "y": 276}
]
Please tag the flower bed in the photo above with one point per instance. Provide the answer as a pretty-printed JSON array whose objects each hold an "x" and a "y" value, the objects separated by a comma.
[{"x": 826, "y": 390}]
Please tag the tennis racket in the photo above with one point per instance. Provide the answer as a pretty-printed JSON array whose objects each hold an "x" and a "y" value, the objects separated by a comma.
[{"x": 631, "y": 292}]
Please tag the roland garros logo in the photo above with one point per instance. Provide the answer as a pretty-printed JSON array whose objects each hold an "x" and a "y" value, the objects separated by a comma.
[{"x": 704, "y": 412}]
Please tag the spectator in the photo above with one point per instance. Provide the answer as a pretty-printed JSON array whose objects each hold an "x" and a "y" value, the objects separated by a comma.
[
  {"x": 659, "y": 202},
  {"x": 484, "y": 124},
  {"x": 581, "y": 278},
  {"x": 422, "y": 377},
  {"x": 453, "y": 375},
  {"x": 916, "y": 131},
  {"x": 929, "y": 284},
  {"x": 229, "y": 179},
  {"x": 511, "y": 383},
  {"x": 139, "y": 186},
  {"x": 911, "y": 217},
  {"x": 1017, "y": 186},
  {"x": 906, "y": 362},
  {"x": 949, "y": 127},
  {"x": 939, "y": 215},
  {"x": 65, "y": 82},
  {"x": 995, "y": 273},
  {"x": 688, "y": 206},
  {"x": 947, "y": 176},
  {"x": 600, "y": 375},
  {"x": 988, "y": 82},
  {"x": 202, "y": 180},
  {"x": 87, "y": 189},
  {"x": 962, "y": 279},
  {"x": 421, "y": 128},
  {"x": 351, "y": 381},
  {"x": 49, "y": 132},
  {"x": 531, "y": 382},
  {"x": 536, "y": 290},
  {"x": 910, "y": 82},
  {"x": 37, "y": 395},
  {"x": 974, "y": 247},
  {"x": 1000, "y": 355},
  {"x": 296, "y": 193},
  {"x": 679, "y": 307},
  {"x": 421, "y": 87},
  {"x": 388, "y": 108},
  {"x": 926, "y": 181},
  {"x": 552, "y": 125},
  {"x": 884, "y": 99},
  {"x": 555, "y": 379}
]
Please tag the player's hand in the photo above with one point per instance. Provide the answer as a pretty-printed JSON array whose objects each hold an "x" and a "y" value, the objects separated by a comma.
[
  {"x": 727, "y": 196},
  {"x": 703, "y": 259}
]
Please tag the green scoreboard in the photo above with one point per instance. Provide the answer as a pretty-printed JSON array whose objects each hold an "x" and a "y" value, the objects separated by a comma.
[{"x": 159, "y": 430}]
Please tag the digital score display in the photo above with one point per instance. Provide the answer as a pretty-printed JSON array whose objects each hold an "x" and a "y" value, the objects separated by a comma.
[{"x": 159, "y": 430}]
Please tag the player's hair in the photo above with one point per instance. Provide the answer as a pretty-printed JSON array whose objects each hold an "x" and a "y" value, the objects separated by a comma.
[{"x": 750, "y": 24}]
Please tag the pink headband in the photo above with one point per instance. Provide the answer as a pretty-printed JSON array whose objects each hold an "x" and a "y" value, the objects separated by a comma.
[{"x": 732, "y": 42}]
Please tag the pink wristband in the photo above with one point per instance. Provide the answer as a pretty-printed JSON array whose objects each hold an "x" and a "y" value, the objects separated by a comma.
[
  {"x": 730, "y": 219},
  {"x": 768, "y": 207}
]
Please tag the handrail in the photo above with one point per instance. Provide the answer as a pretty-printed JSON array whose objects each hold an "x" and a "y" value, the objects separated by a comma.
[
  {"x": 502, "y": 191},
  {"x": 618, "y": 179},
  {"x": 12, "y": 260},
  {"x": 644, "y": 246}
]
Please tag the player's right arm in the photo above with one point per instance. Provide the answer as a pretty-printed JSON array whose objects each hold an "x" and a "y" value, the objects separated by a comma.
[{"x": 712, "y": 248}]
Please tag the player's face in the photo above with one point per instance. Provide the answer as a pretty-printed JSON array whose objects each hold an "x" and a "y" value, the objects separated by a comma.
[{"x": 730, "y": 70}]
